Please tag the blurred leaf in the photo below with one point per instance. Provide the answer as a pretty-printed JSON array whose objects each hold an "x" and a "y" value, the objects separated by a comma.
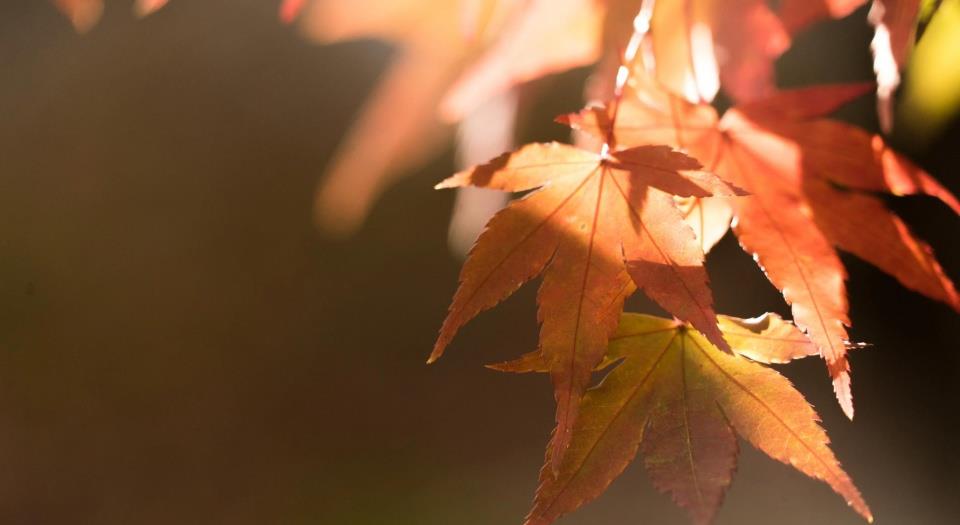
[
  {"x": 483, "y": 134},
  {"x": 451, "y": 58},
  {"x": 896, "y": 24},
  {"x": 84, "y": 14},
  {"x": 931, "y": 97},
  {"x": 695, "y": 46},
  {"x": 291, "y": 9}
]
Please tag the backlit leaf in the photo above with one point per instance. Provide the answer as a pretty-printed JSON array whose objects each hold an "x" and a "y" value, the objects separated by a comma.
[
  {"x": 597, "y": 227},
  {"x": 680, "y": 402},
  {"x": 812, "y": 183}
]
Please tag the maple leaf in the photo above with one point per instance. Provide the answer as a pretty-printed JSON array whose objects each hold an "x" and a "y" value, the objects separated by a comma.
[
  {"x": 597, "y": 227},
  {"x": 460, "y": 53},
  {"x": 812, "y": 183},
  {"x": 681, "y": 402}
]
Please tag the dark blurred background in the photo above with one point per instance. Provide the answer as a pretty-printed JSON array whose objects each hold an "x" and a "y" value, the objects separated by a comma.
[{"x": 179, "y": 345}]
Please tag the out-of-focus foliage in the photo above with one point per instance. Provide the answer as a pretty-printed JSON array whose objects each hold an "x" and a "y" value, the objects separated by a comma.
[
  {"x": 454, "y": 56},
  {"x": 695, "y": 46},
  {"x": 931, "y": 96},
  {"x": 895, "y": 23},
  {"x": 451, "y": 58},
  {"x": 84, "y": 14}
]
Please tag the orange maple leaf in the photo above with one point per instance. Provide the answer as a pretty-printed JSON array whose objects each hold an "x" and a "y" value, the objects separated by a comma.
[
  {"x": 680, "y": 402},
  {"x": 598, "y": 226},
  {"x": 811, "y": 182}
]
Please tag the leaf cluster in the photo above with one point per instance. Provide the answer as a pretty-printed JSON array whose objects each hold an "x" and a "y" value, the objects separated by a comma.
[
  {"x": 660, "y": 179},
  {"x": 657, "y": 179}
]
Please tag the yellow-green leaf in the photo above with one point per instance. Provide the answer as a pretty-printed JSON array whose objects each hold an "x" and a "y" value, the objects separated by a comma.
[{"x": 680, "y": 402}]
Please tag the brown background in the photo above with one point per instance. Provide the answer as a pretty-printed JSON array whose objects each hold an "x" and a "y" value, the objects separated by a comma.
[{"x": 179, "y": 345}]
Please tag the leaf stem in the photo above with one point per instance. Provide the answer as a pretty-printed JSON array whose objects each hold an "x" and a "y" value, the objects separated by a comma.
[{"x": 641, "y": 26}]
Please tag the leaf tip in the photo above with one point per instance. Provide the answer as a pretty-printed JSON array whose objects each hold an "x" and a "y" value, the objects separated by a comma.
[
  {"x": 738, "y": 191},
  {"x": 454, "y": 181},
  {"x": 437, "y": 352},
  {"x": 841, "y": 387},
  {"x": 860, "y": 507},
  {"x": 522, "y": 365}
]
